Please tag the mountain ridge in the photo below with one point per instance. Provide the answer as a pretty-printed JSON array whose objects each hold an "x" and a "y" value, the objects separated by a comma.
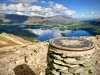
[{"x": 24, "y": 18}]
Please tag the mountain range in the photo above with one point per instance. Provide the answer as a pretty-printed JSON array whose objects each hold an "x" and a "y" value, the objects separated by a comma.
[{"x": 24, "y": 18}]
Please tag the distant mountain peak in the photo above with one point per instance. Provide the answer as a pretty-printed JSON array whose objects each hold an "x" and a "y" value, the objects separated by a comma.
[{"x": 24, "y": 18}]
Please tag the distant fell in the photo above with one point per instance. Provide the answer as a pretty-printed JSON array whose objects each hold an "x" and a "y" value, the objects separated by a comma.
[
  {"x": 94, "y": 22},
  {"x": 24, "y": 18},
  {"x": 60, "y": 17}
]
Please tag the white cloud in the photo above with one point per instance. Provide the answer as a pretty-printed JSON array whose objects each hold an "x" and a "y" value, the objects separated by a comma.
[
  {"x": 3, "y": 6},
  {"x": 43, "y": 2},
  {"x": 34, "y": 14},
  {"x": 15, "y": 7},
  {"x": 59, "y": 8},
  {"x": 51, "y": 3},
  {"x": 83, "y": 15},
  {"x": 35, "y": 8},
  {"x": 12, "y": 12},
  {"x": 24, "y": 1},
  {"x": 38, "y": 10},
  {"x": 46, "y": 12},
  {"x": 19, "y": 13},
  {"x": 91, "y": 12}
]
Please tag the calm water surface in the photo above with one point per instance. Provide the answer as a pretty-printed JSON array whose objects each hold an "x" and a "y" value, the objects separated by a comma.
[{"x": 49, "y": 34}]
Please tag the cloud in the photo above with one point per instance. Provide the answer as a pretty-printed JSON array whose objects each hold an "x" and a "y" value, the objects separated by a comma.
[
  {"x": 43, "y": 2},
  {"x": 38, "y": 10},
  {"x": 19, "y": 13},
  {"x": 35, "y": 10},
  {"x": 83, "y": 15},
  {"x": 46, "y": 12},
  {"x": 24, "y": 1},
  {"x": 59, "y": 8},
  {"x": 91, "y": 12},
  {"x": 51, "y": 3},
  {"x": 15, "y": 7},
  {"x": 3, "y": 6}
]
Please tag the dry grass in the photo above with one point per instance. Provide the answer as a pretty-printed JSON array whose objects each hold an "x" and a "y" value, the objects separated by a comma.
[{"x": 8, "y": 40}]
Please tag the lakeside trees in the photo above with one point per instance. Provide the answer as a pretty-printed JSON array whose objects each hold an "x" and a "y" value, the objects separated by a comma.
[{"x": 19, "y": 28}]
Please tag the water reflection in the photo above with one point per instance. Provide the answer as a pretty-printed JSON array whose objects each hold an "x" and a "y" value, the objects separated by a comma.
[{"x": 49, "y": 34}]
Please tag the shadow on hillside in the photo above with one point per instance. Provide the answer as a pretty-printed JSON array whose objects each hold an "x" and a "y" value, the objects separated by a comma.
[
  {"x": 1, "y": 21},
  {"x": 23, "y": 70},
  {"x": 16, "y": 18}
]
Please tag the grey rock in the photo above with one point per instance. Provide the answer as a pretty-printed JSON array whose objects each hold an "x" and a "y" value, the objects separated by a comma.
[{"x": 76, "y": 70}]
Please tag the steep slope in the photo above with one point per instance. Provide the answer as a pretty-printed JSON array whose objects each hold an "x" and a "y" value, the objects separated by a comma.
[
  {"x": 7, "y": 40},
  {"x": 13, "y": 18},
  {"x": 36, "y": 19},
  {"x": 3, "y": 19}
]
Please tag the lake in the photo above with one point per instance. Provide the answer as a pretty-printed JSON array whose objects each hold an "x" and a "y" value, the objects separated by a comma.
[{"x": 49, "y": 34}]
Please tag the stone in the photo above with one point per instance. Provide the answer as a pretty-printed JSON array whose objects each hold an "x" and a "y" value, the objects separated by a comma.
[
  {"x": 88, "y": 63},
  {"x": 73, "y": 53},
  {"x": 58, "y": 57},
  {"x": 57, "y": 66},
  {"x": 17, "y": 52},
  {"x": 61, "y": 68},
  {"x": 71, "y": 65},
  {"x": 53, "y": 72},
  {"x": 65, "y": 64},
  {"x": 84, "y": 73},
  {"x": 19, "y": 61},
  {"x": 41, "y": 73},
  {"x": 74, "y": 61},
  {"x": 49, "y": 60},
  {"x": 76, "y": 70},
  {"x": 59, "y": 62},
  {"x": 76, "y": 74},
  {"x": 70, "y": 60},
  {"x": 67, "y": 74}
]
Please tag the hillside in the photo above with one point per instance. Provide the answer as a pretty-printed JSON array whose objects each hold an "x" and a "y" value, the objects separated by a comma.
[
  {"x": 94, "y": 22},
  {"x": 59, "y": 17},
  {"x": 23, "y": 18},
  {"x": 9, "y": 40},
  {"x": 31, "y": 58}
]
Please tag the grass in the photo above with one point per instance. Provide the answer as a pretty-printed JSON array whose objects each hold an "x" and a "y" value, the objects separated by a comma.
[{"x": 3, "y": 42}]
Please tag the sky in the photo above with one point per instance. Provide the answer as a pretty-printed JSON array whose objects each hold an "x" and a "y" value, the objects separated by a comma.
[{"x": 48, "y": 8}]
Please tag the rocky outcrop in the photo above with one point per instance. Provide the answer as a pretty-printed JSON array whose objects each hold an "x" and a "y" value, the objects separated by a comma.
[
  {"x": 32, "y": 56},
  {"x": 31, "y": 59}
]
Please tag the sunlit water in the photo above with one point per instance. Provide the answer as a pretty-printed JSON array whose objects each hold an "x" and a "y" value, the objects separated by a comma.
[{"x": 49, "y": 34}]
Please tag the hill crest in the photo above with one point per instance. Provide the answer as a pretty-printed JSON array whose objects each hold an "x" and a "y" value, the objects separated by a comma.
[{"x": 24, "y": 18}]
